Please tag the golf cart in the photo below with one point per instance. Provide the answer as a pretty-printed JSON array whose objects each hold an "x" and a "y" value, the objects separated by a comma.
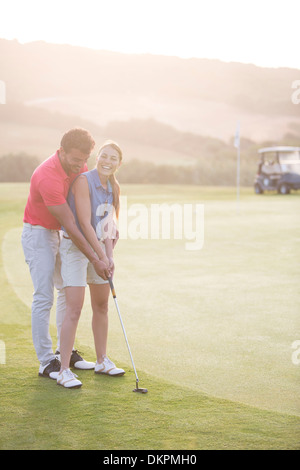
[{"x": 278, "y": 170}]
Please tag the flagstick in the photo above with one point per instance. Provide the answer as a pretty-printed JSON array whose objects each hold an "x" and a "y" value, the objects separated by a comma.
[
  {"x": 237, "y": 146},
  {"x": 238, "y": 181}
]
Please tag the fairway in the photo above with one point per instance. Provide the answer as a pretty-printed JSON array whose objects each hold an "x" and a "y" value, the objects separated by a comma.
[{"x": 217, "y": 323}]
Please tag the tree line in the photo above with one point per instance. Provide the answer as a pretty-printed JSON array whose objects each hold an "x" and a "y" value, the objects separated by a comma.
[{"x": 217, "y": 170}]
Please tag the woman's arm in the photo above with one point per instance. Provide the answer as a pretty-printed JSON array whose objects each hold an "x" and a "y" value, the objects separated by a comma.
[
  {"x": 65, "y": 217},
  {"x": 108, "y": 243},
  {"x": 83, "y": 210}
]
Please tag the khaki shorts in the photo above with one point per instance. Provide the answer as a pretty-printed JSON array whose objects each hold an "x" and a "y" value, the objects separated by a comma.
[{"x": 76, "y": 269}]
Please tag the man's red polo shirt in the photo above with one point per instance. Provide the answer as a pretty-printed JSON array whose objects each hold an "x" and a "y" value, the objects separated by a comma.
[{"x": 49, "y": 186}]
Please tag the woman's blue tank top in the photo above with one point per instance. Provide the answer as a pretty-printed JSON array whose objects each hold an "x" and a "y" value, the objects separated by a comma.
[{"x": 101, "y": 201}]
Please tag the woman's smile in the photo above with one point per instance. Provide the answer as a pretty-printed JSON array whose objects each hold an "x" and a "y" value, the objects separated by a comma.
[{"x": 108, "y": 161}]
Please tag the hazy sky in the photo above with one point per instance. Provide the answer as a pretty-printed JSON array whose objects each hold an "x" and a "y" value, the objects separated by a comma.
[{"x": 262, "y": 32}]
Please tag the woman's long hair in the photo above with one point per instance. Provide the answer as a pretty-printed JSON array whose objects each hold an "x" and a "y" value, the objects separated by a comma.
[{"x": 112, "y": 179}]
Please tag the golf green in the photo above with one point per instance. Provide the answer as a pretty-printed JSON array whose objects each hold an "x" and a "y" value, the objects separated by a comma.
[{"x": 219, "y": 322}]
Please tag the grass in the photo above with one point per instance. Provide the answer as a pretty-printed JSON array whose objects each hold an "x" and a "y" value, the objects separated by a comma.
[
  {"x": 248, "y": 356},
  {"x": 105, "y": 414}
]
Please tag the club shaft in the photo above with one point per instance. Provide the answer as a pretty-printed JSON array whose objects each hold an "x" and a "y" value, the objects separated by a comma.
[{"x": 122, "y": 324}]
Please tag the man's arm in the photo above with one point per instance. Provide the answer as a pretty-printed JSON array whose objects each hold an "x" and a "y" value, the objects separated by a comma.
[
  {"x": 83, "y": 210},
  {"x": 66, "y": 218}
]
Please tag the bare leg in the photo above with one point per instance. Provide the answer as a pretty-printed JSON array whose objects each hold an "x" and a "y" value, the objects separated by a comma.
[
  {"x": 74, "y": 303},
  {"x": 99, "y": 301}
]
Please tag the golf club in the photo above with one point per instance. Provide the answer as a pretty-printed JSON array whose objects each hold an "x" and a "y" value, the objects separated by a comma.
[{"x": 137, "y": 389}]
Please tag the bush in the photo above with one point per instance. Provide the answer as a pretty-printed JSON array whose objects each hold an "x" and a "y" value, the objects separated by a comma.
[{"x": 17, "y": 167}]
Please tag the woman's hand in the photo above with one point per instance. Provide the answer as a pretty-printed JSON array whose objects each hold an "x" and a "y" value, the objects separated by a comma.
[
  {"x": 101, "y": 269},
  {"x": 111, "y": 267},
  {"x": 114, "y": 241}
]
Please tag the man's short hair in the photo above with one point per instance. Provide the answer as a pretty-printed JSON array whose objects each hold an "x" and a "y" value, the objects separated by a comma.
[{"x": 79, "y": 139}]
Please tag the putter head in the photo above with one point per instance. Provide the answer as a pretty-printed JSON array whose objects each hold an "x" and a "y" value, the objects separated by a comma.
[{"x": 138, "y": 389}]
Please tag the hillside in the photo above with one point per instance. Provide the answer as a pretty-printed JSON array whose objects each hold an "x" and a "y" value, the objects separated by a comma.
[
  {"x": 162, "y": 110},
  {"x": 200, "y": 96}
]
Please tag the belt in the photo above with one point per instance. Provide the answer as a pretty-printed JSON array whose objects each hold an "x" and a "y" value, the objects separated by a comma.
[
  {"x": 39, "y": 227},
  {"x": 68, "y": 238}
]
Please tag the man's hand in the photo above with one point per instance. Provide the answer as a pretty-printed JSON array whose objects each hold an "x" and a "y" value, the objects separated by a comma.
[{"x": 66, "y": 218}]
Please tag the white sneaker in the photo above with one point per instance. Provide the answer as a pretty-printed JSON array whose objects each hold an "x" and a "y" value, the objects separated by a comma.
[
  {"x": 107, "y": 367},
  {"x": 77, "y": 361},
  {"x": 67, "y": 379}
]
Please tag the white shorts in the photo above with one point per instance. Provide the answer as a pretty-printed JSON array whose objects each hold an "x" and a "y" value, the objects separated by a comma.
[{"x": 76, "y": 269}]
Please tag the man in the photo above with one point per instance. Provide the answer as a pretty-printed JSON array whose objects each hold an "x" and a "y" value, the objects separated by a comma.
[{"x": 45, "y": 213}]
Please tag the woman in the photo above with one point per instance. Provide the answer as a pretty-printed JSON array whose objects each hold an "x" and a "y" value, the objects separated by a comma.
[{"x": 93, "y": 198}]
